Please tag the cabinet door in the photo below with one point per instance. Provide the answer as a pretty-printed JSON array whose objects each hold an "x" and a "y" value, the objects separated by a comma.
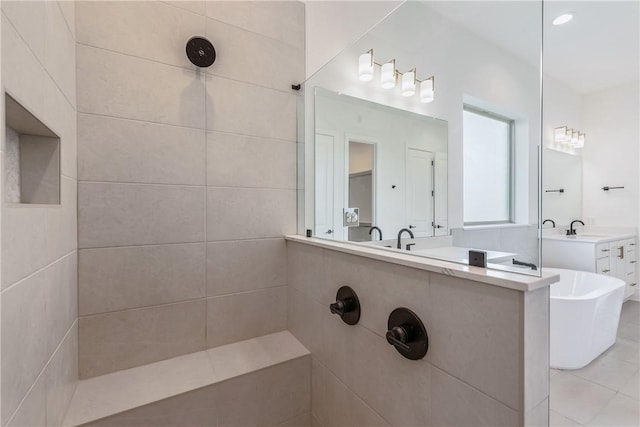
[
  {"x": 602, "y": 266},
  {"x": 617, "y": 261}
]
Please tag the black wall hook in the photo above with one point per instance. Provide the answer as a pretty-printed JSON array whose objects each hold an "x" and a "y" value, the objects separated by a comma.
[{"x": 200, "y": 52}]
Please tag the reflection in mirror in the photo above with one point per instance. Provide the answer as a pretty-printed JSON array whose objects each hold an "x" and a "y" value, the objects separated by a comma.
[
  {"x": 387, "y": 165},
  {"x": 562, "y": 188},
  {"x": 420, "y": 141}
]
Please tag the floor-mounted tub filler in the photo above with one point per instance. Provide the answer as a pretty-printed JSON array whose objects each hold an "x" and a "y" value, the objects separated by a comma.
[{"x": 584, "y": 315}]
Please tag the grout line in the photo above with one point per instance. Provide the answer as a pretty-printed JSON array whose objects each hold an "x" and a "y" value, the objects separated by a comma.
[
  {"x": 42, "y": 371},
  {"x": 161, "y": 184},
  {"x": 44, "y": 68},
  {"x": 237, "y": 26},
  {"x": 205, "y": 130},
  {"x": 205, "y": 298},
  {"x": 197, "y": 72},
  {"x": 39, "y": 270},
  {"x": 201, "y": 242}
]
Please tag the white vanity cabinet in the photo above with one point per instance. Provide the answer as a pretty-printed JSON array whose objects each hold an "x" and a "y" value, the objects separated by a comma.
[{"x": 613, "y": 256}]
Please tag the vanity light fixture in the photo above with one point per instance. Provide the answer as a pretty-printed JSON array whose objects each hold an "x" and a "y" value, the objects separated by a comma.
[
  {"x": 365, "y": 66},
  {"x": 570, "y": 137},
  {"x": 389, "y": 77},
  {"x": 409, "y": 83},
  {"x": 562, "y": 19}
]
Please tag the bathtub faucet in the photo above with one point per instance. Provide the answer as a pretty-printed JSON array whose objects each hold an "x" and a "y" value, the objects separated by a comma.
[
  {"x": 399, "y": 246},
  {"x": 571, "y": 231}
]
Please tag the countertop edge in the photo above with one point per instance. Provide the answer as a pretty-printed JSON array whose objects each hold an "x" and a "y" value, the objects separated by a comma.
[{"x": 518, "y": 282}]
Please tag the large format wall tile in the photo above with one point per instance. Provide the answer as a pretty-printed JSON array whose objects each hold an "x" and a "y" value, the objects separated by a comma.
[
  {"x": 59, "y": 57},
  {"x": 306, "y": 272},
  {"x": 237, "y": 266},
  {"x": 114, "y": 279},
  {"x": 281, "y": 20},
  {"x": 267, "y": 397},
  {"x": 454, "y": 403},
  {"x": 253, "y": 58},
  {"x": 131, "y": 151},
  {"x": 61, "y": 377},
  {"x": 238, "y": 317},
  {"x": 161, "y": 36},
  {"x": 488, "y": 320},
  {"x": 335, "y": 405},
  {"x": 247, "y": 109},
  {"x": 124, "y": 339},
  {"x": 24, "y": 231},
  {"x": 197, "y": 408},
  {"x": 131, "y": 214},
  {"x": 242, "y": 161},
  {"x": 36, "y": 315},
  {"x": 31, "y": 22},
  {"x": 118, "y": 85},
  {"x": 23, "y": 76},
  {"x": 246, "y": 213},
  {"x": 33, "y": 409},
  {"x": 381, "y": 288}
]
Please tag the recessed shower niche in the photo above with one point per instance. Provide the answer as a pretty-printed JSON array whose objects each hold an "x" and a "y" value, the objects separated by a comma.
[{"x": 32, "y": 158}]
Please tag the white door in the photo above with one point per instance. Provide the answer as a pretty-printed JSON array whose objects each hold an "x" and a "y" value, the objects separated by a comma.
[
  {"x": 440, "y": 200},
  {"x": 324, "y": 214},
  {"x": 419, "y": 184}
]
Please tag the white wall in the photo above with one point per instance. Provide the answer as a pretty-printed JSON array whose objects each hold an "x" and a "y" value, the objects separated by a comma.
[
  {"x": 611, "y": 155},
  {"x": 349, "y": 21}
]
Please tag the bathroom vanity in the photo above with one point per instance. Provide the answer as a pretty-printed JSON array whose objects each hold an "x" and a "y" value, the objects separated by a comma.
[{"x": 610, "y": 254}]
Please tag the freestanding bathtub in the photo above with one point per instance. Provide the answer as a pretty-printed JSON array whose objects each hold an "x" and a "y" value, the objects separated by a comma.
[{"x": 584, "y": 315}]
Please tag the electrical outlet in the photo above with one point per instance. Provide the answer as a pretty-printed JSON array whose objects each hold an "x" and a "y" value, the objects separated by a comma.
[{"x": 351, "y": 217}]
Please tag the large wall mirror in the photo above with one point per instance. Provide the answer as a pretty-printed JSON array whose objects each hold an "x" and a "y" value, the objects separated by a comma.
[{"x": 428, "y": 127}]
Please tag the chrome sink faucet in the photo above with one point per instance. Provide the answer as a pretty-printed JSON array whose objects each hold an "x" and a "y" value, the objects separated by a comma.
[
  {"x": 571, "y": 231},
  {"x": 399, "y": 246}
]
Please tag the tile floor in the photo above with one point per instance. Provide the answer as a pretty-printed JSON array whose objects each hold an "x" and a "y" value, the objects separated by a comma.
[{"x": 607, "y": 391}]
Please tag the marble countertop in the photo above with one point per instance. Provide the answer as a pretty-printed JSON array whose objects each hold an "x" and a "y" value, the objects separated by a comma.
[
  {"x": 505, "y": 279},
  {"x": 589, "y": 237}
]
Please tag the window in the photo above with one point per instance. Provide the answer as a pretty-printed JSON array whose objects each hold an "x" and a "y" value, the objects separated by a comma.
[{"x": 488, "y": 171}]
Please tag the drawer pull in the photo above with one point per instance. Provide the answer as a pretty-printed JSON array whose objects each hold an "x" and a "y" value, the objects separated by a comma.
[
  {"x": 606, "y": 250},
  {"x": 632, "y": 244},
  {"x": 632, "y": 262},
  {"x": 632, "y": 284},
  {"x": 606, "y": 271}
]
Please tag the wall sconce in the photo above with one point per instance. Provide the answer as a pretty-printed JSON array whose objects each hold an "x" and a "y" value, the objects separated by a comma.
[
  {"x": 570, "y": 137},
  {"x": 389, "y": 77}
]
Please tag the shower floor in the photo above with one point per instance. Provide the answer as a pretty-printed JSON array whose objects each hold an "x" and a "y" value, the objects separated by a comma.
[{"x": 607, "y": 391}]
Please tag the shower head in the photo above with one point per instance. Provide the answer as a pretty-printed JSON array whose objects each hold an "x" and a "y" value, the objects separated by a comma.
[{"x": 200, "y": 52}]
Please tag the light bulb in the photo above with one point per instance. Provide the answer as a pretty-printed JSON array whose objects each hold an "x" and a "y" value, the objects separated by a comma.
[
  {"x": 409, "y": 83},
  {"x": 426, "y": 90},
  {"x": 388, "y": 75},
  {"x": 365, "y": 66}
]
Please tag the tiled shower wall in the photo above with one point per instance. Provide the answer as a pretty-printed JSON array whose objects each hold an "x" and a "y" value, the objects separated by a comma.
[
  {"x": 39, "y": 242},
  {"x": 187, "y": 176}
]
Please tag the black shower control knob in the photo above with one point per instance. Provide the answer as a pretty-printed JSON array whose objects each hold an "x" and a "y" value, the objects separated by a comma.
[
  {"x": 347, "y": 305},
  {"x": 407, "y": 334},
  {"x": 399, "y": 337}
]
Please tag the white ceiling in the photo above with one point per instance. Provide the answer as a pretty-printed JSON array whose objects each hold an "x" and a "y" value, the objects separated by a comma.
[{"x": 599, "y": 48}]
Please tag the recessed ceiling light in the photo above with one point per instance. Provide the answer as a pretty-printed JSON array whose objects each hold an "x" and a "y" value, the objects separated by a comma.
[{"x": 563, "y": 19}]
